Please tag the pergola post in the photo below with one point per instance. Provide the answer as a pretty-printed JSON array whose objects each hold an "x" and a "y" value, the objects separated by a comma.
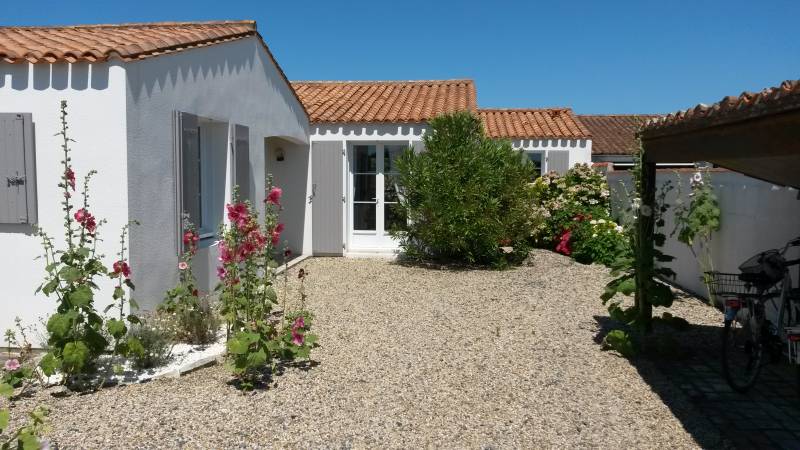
[{"x": 645, "y": 228}]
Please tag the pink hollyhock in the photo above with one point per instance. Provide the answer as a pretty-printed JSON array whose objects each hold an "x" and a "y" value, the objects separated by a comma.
[
  {"x": 238, "y": 214},
  {"x": 276, "y": 238},
  {"x": 225, "y": 255},
  {"x": 274, "y": 196},
  {"x": 258, "y": 238},
  {"x": 297, "y": 338},
  {"x": 279, "y": 228},
  {"x": 121, "y": 267},
  {"x": 11, "y": 365},
  {"x": 81, "y": 215},
  {"x": 90, "y": 224},
  {"x": 299, "y": 323},
  {"x": 182, "y": 265},
  {"x": 221, "y": 272},
  {"x": 189, "y": 238},
  {"x": 563, "y": 244},
  {"x": 70, "y": 176}
]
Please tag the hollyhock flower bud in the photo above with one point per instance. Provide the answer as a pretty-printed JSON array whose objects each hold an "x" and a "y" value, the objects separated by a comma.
[{"x": 70, "y": 177}]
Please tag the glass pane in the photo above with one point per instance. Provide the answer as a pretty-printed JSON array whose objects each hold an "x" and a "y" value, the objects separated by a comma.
[
  {"x": 191, "y": 175},
  {"x": 390, "y": 154},
  {"x": 536, "y": 159},
  {"x": 365, "y": 158},
  {"x": 364, "y": 188},
  {"x": 364, "y": 216},
  {"x": 393, "y": 218},
  {"x": 390, "y": 186}
]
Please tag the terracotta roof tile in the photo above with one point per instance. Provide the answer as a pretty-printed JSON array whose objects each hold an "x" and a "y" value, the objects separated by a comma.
[
  {"x": 533, "y": 123},
  {"x": 730, "y": 109},
  {"x": 126, "y": 41},
  {"x": 384, "y": 101},
  {"x": 614, "y": 134}
]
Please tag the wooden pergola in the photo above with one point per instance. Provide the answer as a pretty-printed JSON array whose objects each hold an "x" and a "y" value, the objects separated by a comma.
[{"x": 754, "y": 134}]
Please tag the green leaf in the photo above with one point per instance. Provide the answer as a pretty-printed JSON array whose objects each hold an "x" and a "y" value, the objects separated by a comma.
[
  {"x": 272, "y": 296},
  {"x": 237, "y": 347},
  {"x": 6, "y": 390},
  {"x": 627, "y": 286},
  {"x": 50, "y": 287},
  {"x": 257, "y": 359},
  {"x": 134, "y": 319},
  {"x": 81, "y": 296},
  {"x": 75, "y": 356},
  {"x": 48, "y": 364},
  {"x": 70, "y": 274},
  {"x": 28, "y": 441},
  {"x": 59, "y": 325},
  {"x": 619, "y": 341},
  {"x": 116, "y": 328},
  {"x": 311, "y": 339},
  {"x": 83, "y": 252},
  {"x": 4, "y": 416},
  {"x": 118, "y": 293},
  {"x": 133, "y": 304},
  {"x": 135, "y": 347}
]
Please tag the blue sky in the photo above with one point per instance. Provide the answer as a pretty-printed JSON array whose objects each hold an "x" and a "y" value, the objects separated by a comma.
[{"x": 596, "y": 56}]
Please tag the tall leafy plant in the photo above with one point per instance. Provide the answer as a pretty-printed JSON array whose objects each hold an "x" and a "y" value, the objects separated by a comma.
[
  {"x": 697, "y": 219},
  {"x": 75, "y": 331},
  {"x": 247, "y": 249},
  {"x": 639, "y": 265},
  {"x": 466, "y": 197}
]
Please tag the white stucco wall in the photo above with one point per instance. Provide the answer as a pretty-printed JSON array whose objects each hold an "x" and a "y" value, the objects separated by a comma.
[
  {"x": 756, "y": 216},
  {"x": 233, "y": 82},
  {"x": 580, "y": 150},
  {"x": 96, "y": 97}
]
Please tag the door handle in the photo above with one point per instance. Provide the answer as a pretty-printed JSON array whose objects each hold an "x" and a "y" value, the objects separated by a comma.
[{"x": 15, "y": 181}]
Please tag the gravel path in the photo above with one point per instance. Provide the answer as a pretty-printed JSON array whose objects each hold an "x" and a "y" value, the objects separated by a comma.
[{"x": 415, "y": 357}]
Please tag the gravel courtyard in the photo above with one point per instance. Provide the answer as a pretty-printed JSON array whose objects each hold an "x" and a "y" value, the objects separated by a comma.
[{"x": 416, "y": 357}]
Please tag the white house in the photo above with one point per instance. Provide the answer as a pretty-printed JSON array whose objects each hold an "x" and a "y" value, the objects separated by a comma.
[
  {"x": 359, "y": 127},
  {"x": 172, "y": 115}
]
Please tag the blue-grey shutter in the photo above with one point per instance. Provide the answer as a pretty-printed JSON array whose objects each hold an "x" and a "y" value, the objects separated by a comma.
[
  {"x": 17, "y": 169},
  {"x": 327, "y": 201},
  {"x": 241, "y": 155},
  {"x": 558, "y": 161}
]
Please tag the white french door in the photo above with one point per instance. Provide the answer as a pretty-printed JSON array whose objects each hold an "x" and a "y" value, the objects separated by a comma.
[{"x": 373, "y": 193}]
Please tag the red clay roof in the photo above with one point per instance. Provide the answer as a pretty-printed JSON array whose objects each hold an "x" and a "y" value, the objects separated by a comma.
[
  {"x": 384, "y": 101},
  {"x": 614, "y": 134},
  {"x": 126, "y": 41},
  {"x": 533, "y": 123},
  {"x": 730, "y": 109}
]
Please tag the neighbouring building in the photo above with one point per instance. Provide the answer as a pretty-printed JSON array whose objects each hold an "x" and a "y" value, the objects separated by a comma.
[
  {"x": 359, "y": 127},
  {"x": 171, "y": 115}
]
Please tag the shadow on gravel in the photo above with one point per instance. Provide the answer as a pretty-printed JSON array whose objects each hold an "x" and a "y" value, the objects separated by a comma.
[
  {"x": 268, "y": 378},
  {"x": 684, "y": 368}
]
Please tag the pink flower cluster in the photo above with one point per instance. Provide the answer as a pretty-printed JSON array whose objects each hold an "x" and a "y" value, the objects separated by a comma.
[
  {"x": 563, "y": 243},
  {"x": 69, "y": 175},
  {"x": 297, "y": 337},
  {"x": 86, "y": 219},
  {"x": 190, "y": 239},
  {"x": 274, "y": 196}
]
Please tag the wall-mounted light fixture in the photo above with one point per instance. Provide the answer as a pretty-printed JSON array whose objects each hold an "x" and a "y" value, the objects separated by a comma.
[{"x": 279, "y": 154}]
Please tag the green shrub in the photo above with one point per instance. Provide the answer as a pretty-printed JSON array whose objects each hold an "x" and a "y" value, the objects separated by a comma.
[
  {"x": 467, "y": 197},
  {"x": 560, "y": 201},
  {"x": 155, "y": 336},
  {"x": 598, "y": 241}
]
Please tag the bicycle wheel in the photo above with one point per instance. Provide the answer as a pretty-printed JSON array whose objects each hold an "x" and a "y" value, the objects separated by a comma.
[{"x": 742, "y": 350}]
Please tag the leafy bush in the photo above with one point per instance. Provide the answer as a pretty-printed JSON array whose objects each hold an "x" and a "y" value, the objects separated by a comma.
[
  {"x": 155, "y": 336},
  {"x": 560, "y": 201},
  {"x": 195, "y": 317},
  {"x": 25, "y": 437},
  {"x": 467, "y": 197},
  {"x": 598, "y": 241}
]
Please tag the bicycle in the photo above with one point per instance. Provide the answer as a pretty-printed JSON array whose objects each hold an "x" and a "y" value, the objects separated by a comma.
[{"x": 748, "y": 332}]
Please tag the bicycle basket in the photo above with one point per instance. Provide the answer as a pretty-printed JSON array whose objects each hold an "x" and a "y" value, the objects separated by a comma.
[
  {"x": 763, "y": 269},
  {"x": 729, "y": 285}
]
